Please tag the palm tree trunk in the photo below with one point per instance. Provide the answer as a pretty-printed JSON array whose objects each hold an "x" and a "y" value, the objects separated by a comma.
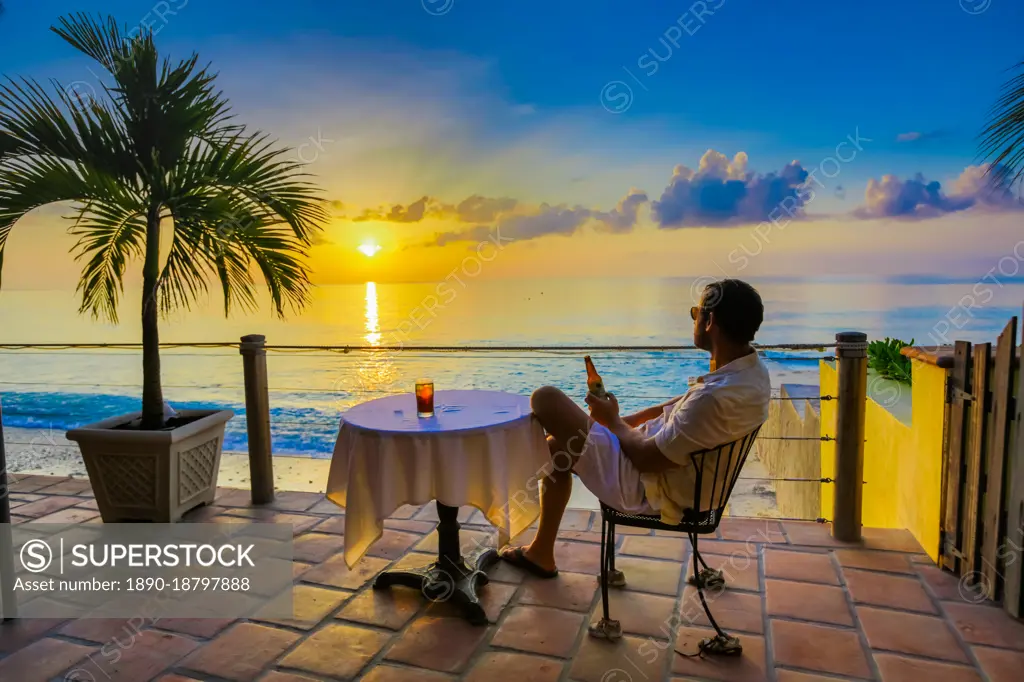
[{"x": 152, "y": 392}]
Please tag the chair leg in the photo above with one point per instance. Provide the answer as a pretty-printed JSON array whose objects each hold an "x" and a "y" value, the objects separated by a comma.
[
  {"x": 607, "y": 561},
  {"x": 611, "y": 547},
  {"x": 722, "y": 642},
  {"x": 606, "y": 628},
  {"x": 615, "y": 578}
]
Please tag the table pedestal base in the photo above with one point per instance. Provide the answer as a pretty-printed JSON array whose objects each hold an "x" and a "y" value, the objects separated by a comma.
[{"x": 451, "y": 577}]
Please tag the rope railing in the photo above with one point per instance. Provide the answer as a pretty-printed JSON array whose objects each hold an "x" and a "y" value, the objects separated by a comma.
[
  {"x": 403, "y": 348},
  {"x": 816, "y": 397},
  {"x": 312, "y": 389}
]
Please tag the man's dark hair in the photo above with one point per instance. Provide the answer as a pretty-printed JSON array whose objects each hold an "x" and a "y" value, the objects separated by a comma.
[{"x": 737, "y": 307}]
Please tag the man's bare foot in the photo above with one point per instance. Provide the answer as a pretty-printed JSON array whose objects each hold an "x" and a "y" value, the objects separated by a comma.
[{"x": 526, "y": 559}]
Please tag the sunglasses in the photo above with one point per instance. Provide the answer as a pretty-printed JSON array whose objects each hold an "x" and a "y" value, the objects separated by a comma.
[{"x": 695, "y": 312}]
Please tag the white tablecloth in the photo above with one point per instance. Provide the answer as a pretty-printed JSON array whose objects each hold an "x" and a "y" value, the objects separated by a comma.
[{"x": 482, "y": 449}]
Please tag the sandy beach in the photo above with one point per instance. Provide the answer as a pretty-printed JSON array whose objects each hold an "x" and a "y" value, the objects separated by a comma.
[{"x": 49, "y": 453}]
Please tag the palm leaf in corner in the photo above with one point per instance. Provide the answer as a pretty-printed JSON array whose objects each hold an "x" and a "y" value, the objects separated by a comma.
[{"x": 1002, "y": 140}]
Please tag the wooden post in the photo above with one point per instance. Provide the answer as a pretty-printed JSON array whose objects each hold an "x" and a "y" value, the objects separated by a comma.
[
  {"x": 257, "y": 417},
  {"x": 1013, "y": 555},
  {"x": 952, "y": 501},
  {"x": 852, "y": 360},
  {"x": 993, "y": 520},
  {"x": 977, "y": 444},
  {"x": 8, "y": 603}
]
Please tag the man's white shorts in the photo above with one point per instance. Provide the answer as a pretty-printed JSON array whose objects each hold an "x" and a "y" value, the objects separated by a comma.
[{"x": 607, "y": 472}]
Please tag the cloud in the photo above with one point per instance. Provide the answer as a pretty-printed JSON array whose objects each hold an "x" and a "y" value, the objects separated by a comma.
[
  {"x": 915, "y": 136},
  {"x": 720, "y": 192},
  {"x": 553, "y": 220},
  {"x": 547, "y": 220},
  {"x": 723, "y": 192},
  {"x": 474, "y": 209},
  {"x": 338, "y": 209},
  {"x": 478, "y": 209},
  {"x": 919, "y": 198},
  {"x": 623, "y": 217},
  {"x": 413, "y": 213}
]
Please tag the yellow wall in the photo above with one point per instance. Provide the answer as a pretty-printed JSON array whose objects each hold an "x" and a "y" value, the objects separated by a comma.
[
  {"x": 920, "y": 507},
  {"x": 902, "y": 464},
  {"x": 829, "y": 381}
]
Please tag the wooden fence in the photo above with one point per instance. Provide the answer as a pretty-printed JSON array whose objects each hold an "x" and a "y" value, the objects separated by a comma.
[{"x": 983, "y": 471}]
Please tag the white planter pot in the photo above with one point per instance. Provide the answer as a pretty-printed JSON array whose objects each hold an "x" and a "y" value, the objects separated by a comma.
[{"x": 152, "y": 475}]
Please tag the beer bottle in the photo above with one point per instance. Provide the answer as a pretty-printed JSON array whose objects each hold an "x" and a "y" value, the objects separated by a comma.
[{"x": 594, "y": 383}]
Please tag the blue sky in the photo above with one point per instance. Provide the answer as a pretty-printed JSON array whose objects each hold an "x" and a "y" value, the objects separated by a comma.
[
  {"x": 454, "y": 98},
  {"x": 791, "y": 75}
]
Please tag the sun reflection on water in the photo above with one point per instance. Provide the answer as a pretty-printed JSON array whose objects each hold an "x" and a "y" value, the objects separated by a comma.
[
  {"x": 376, "y": 372},
  {"x": 372, "y": 318}
]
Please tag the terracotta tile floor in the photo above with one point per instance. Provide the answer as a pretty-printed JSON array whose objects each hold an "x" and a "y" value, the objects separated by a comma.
[{"x": 806, "y": 608}]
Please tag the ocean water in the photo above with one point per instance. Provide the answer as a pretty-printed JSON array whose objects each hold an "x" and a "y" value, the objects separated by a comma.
[{"x": 60, "y": 389}]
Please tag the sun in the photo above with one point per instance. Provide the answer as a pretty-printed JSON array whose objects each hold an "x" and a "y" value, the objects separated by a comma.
[{"x": 369, "y": 249}]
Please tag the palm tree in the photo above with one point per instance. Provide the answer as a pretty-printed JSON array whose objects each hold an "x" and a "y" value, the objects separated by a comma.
[
  {"x": 156, "y": 150},
  {"x": 1002, "y": 143}
]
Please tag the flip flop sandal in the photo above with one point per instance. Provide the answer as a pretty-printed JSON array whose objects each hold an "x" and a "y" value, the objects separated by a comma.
[
  {"x": 716, "y": 646},
  {"x": 518, "y": 558},
  {"x": 606, "y": 629},
  {"x": 723, "y": 646},
  {"x": 709, "y": 578}
]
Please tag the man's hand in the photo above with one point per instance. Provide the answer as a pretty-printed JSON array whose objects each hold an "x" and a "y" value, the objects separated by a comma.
[{"x": 605, "y": 411}]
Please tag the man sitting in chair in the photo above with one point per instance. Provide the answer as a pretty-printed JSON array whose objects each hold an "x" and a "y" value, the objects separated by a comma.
[{"x": 640, "y": 463}]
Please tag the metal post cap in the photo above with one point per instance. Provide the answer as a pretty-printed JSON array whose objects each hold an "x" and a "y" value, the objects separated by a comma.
[
  {"x": 253, "y": 344},
  {"x": 851, "y": 344}
]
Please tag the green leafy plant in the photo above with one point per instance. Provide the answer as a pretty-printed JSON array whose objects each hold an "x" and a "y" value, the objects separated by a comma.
[
  {"x": 156, "y": 151},
  {"x": 885, "y": 358}
]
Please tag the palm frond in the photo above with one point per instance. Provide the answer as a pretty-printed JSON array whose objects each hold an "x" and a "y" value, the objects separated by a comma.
[
  {"x": 110, "y": 234},
  {"x": 256, "y": 213},
  {"x": 158, "y": 137},
  {"x": 36, "y": 124},
  {"x": 99, "y": 38},
  {"x": 1002, "y": 140},
  {"x": 30, "y": 183}
]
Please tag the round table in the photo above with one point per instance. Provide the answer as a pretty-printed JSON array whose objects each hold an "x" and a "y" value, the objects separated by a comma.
[{"x": 479, "y": 447}]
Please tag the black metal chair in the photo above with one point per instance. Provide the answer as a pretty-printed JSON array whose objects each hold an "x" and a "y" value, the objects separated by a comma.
[{"x": 721, "y": 473}]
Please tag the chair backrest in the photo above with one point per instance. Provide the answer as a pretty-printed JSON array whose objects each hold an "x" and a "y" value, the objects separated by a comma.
[{"x": 717, "y": 470}]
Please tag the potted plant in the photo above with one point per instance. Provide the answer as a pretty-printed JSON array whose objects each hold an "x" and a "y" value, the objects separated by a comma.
[{"x": 152, "y": 152}]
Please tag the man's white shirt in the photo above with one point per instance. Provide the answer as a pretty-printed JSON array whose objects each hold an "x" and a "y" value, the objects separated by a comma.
[{"x": 723, "y": 406}]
